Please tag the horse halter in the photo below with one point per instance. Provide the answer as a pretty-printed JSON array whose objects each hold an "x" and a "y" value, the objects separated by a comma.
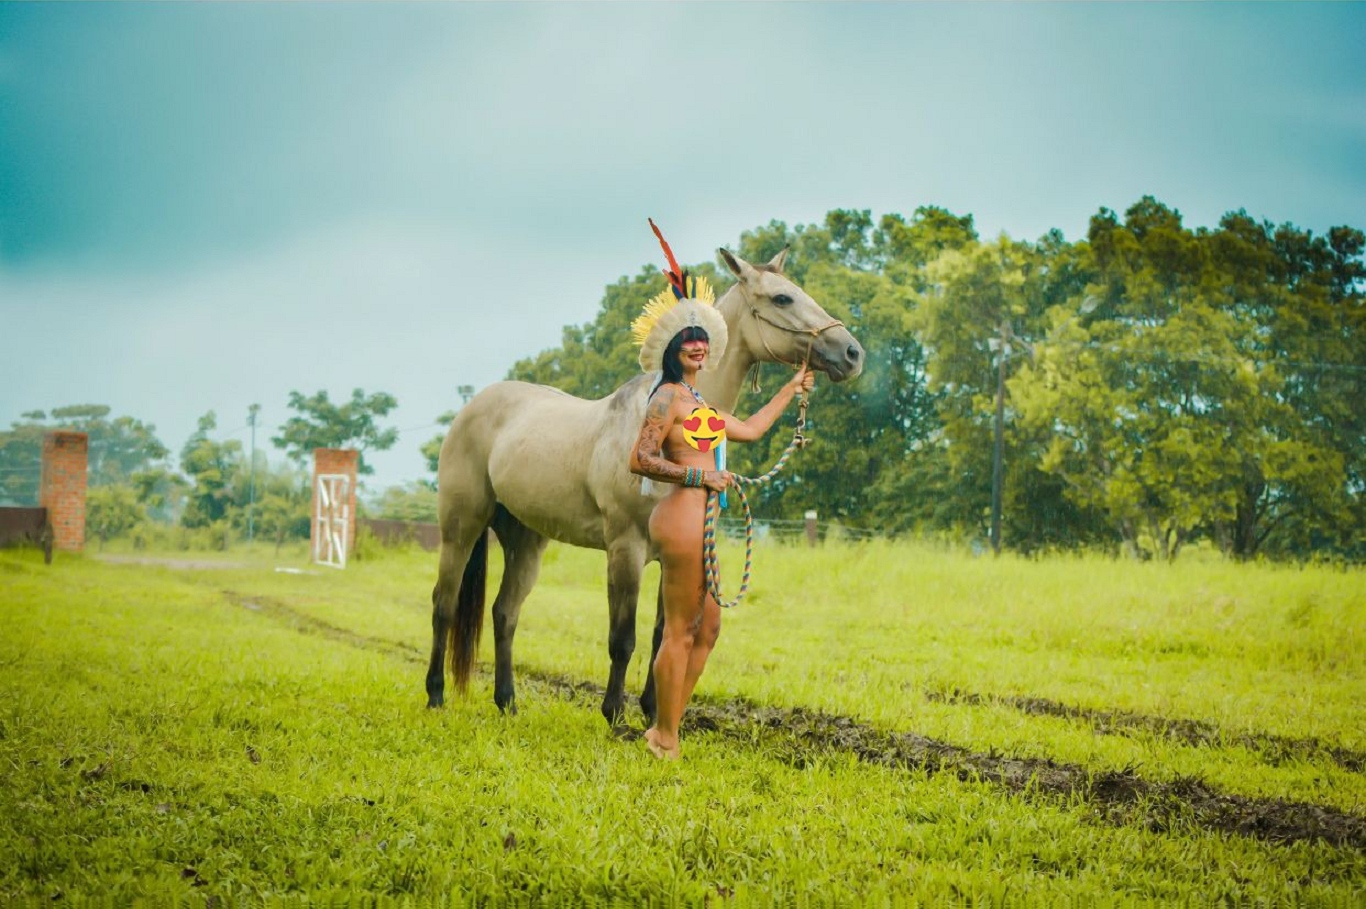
[{"x": 815, "y": 333}]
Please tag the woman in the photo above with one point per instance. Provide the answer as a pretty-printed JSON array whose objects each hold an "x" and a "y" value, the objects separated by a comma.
[{"x": 669, "y": 451}]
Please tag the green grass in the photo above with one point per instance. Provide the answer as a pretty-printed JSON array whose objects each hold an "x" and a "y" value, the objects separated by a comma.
[{"x": 161, "y": 743}]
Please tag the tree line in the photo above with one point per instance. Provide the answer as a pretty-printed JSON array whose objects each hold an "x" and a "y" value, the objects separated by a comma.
[
  {"x": 1157, "y": 386},
  {"x": 1161, "y": 385},
  {"x": 209, "y": 492}
]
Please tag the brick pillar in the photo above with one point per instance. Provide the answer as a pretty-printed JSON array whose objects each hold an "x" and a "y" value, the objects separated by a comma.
[
  {"x": 335, "y": 460},
  {"x": 62, "y": 488}
]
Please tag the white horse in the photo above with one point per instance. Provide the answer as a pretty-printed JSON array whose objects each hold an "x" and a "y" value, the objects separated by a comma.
[{"x": 537, "y": 464}]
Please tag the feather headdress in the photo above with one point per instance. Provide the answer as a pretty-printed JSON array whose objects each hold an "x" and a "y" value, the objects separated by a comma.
[{"x": 688, "y": 300}]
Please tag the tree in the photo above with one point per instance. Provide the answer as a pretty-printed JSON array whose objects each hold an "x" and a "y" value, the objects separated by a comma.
[
  {"x": 283, "y": 513},
  {"x": 1167, "y": 410},
  {"x": 415, "y": 502},
  {"x": 118, "y": 448},
  {"x": 596, "y": 358},
  {"x": 112, "y": 510},
  {"x": 431, "y": 449},
  {"x": 214, "y": 468},
  {"x": 1162, "y": 383},
  {"x": 161, "y": 492},
  {"x": 929, "y": 233},
  {"x": 322, "y": 424},
  {"x": 864, "y": 430},
  {"x": 981, "y": 301}
]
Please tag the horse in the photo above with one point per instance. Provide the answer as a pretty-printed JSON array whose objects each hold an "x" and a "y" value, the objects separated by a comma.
[{"x": 537, "y": 464}]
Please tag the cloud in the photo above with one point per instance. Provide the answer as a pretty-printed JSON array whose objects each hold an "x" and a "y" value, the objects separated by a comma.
[{"x": 411, "y": 308}]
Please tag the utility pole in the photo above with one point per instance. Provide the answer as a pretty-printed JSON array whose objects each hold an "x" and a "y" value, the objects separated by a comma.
[
  {"x": 998, "y": 455},
  {"x": 252, "y": 413}
]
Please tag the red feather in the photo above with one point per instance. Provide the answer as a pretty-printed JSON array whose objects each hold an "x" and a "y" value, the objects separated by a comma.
[{"x": 675, "y": 275}]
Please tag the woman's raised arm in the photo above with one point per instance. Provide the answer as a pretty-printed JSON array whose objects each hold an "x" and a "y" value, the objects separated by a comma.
[{"x": 762, "y": 419}]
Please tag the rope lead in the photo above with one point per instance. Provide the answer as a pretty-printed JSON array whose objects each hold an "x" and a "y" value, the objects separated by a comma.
[{"x": 710, "y": 565}]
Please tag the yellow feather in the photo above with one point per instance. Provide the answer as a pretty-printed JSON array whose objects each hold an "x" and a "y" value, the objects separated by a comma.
[{"x": 664, "y": 301}]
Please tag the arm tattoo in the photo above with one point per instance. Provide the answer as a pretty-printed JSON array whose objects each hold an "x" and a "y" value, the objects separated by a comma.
[{"x": 648, "y": 447}]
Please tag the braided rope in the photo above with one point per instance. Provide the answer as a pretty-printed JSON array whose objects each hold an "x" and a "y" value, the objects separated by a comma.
[{"x": 710, "y": 564}]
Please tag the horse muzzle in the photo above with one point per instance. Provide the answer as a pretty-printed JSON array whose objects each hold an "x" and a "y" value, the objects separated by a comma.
[{"x": 838, "y": 355}]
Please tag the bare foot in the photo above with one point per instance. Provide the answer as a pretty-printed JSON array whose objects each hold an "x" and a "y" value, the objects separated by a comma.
[{"x": 653, "y": 740}]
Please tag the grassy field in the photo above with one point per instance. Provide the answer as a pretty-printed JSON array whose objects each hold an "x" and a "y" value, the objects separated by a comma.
[{"x": 880, "y": 724}]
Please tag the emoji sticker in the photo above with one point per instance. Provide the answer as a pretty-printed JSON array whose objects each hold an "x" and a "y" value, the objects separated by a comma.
[{"x": 704, "y": 429}]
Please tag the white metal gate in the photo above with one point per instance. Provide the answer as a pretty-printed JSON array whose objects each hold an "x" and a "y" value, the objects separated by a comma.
[{"x": 333, "y": 519}]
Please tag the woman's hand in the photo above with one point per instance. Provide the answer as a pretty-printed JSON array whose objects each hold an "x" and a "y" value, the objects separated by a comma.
[
  {"x": 717, "y": 480},
  {"x": 803, "y": 381}
]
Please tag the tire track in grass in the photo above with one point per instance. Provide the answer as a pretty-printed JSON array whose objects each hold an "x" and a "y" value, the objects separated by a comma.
[
  {"x": 1276, "y": 749},
  {"x": 797, "y": 735}
]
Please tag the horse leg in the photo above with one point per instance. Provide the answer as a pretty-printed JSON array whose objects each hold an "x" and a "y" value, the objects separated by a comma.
[
  {"x": 647, "y": 697},
  {"x": 625, "y": 562},
  {"x": 522, "y": 551},
  {"x": 459, "y": 591}
]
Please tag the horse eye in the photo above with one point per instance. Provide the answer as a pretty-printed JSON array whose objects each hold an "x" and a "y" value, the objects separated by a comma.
[{"x": 782, "y": 300}]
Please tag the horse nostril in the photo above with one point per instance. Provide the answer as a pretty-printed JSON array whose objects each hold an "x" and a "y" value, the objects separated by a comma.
[{"x": 853, "y": 352}]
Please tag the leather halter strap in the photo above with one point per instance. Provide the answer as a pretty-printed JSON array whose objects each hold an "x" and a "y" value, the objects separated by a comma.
[{"x": 813, "y": 332}]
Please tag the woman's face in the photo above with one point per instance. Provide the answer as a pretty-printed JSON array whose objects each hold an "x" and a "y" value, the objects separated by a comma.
[{"x": 694, "y": 353}]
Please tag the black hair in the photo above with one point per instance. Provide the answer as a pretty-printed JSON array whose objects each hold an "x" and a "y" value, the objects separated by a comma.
[{"x": 671, "y": 369}]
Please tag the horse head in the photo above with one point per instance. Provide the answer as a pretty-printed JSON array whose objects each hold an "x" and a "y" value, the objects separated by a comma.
[{"x": 777, "y": 321}]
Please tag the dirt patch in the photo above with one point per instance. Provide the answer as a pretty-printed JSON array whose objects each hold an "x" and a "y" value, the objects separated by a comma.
[
  {"x": 1118, "y": 796},
  {"x": 301, "y": 621},
  {"x": 1274, "y": 749},
  {"x": 797, "y": 736},
  {"x": 183, "y": 564}
]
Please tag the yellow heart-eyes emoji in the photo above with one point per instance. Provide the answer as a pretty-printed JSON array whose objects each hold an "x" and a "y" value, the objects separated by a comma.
[{"x": 704, "y": 429}]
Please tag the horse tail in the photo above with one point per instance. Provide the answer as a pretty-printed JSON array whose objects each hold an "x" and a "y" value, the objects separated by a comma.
[{"x": 464, "y": 632}]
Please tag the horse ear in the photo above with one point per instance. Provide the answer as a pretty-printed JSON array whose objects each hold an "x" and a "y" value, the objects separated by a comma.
[
  {"x": 738, "y": 266},
  {"x": 776, "y": 263}
]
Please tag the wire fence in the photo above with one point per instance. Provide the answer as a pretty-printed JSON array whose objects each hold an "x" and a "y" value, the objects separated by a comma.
[
  {"x": 794, "y": 530},
  {"x": 19, "y": 486}
]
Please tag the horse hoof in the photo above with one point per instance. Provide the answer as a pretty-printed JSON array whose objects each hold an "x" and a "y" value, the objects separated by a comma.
[{"x": 434, "y": 701}]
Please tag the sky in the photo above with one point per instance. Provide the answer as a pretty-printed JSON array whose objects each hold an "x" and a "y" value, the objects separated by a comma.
[{"x": 207, "y": 206}]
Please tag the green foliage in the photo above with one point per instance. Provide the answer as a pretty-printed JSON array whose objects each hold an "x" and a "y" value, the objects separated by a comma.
[
  {"x": 214, "y": 468},
  {"x": 863, "y": 430},
  {"x": 111, "y": 511},
  {"x": 1165, "y": 409},
  {"x": 319, "y": 423},
  {"x": 284, "y": 498},
  {"x": 280, "y": 516},
  {"x": 161, "y": 492},
  {"x": 431, "y": 449},
  {"x": 131, "y": 485},
  {"x": 596, "y": 358},
  {"x": 1164, "y": 385},
  {"x": 118, "y": 448},
  {"x": 414, "y": 502}
]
